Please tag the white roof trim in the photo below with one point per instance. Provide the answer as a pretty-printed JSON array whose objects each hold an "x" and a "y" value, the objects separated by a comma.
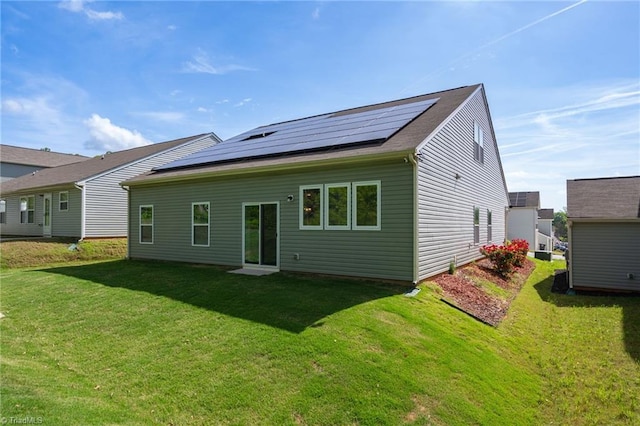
[{"x": 447, "y": 120}]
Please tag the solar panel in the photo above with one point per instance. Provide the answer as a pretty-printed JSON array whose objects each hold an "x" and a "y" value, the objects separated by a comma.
[{"x": 309, "y": 134}]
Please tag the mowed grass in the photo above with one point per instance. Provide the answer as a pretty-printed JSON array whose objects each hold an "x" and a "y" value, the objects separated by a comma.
[
  {"x": 125, "y": 342},
  {"x": 46, "y": 251}
]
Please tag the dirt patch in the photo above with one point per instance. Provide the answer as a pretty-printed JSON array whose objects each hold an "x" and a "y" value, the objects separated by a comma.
[{"x": 471, "y": 289}]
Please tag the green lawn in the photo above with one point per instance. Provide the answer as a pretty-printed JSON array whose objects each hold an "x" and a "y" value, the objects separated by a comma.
[{"x": 136, "y": 343}]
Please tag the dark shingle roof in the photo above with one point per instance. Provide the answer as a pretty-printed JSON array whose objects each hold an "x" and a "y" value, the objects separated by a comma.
[
  {"x": 545, "y": 214},
  {"x": 35, "y": 157},
  {"x": 524, "y": 199},
  {"x": 604, "y": 198},
  {"x": 72, "y": 173},
  {"x": 404, "y": 141}
]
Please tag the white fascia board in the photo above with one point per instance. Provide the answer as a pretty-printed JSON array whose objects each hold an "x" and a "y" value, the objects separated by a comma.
[{"x": 447, "y": 120}]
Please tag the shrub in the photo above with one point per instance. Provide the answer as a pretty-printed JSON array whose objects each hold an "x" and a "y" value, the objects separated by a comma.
[{"x": 507, "y": 257}]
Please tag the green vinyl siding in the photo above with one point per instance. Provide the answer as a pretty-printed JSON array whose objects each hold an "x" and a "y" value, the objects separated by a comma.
[
  {"x": 602, "y": 254},
  {"x": 385, "y": 253}
]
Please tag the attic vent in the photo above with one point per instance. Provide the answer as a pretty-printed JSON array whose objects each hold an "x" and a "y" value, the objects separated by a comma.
[{"x": 258, "y": 136}]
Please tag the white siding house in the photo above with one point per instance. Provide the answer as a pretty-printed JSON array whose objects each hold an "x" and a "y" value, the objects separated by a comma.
[{"x": 84, "y": 199}]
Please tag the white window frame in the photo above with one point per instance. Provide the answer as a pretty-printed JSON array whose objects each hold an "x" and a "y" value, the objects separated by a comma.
[
  {"x": 478, "y": 141},
  {"x": 25, "y": 219},
  {"x": 489, "y": 225},
  {"x": 3, "y": 210},
  {"x": 327, "y": 216},
  {"x": 321, "y": 208},
  {"x": 354, "y": 198},
  {"x": 152, "y": 225},
  {"x": 60, "y": 201},
  {"x": 193, "y": 224}
]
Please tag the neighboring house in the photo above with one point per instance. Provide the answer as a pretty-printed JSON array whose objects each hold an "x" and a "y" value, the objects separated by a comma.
[
  {"x": 545, "y": 230},
  {"x": 522, "y": 219},
  {"x": 527, "y": 221},
  {"x": 603, "y": 217},
  {"x": 395, "y": 190},
  {"x": 16, "y": 161},
  {"x": 84, "y": 199}
]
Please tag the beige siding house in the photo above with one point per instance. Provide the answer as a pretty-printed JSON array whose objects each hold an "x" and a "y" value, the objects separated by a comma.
[
  {"x": 395, "y": 190},
  {"x": 84, "y": 199}
]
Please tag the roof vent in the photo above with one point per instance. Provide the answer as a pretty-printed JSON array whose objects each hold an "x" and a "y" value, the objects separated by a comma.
[{"x": 258, "y": 136}]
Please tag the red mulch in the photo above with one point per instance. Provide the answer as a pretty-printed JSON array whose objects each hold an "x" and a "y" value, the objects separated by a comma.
[{"x": 462, "y": 292}]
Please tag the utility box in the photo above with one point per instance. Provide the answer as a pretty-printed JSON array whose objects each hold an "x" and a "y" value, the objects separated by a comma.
[{"x": 543, "y": 255}]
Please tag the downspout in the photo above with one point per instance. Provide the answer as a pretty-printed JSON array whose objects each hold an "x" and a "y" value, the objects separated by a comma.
[
  {"x": 570, "y": 250},
  {"x": 416, "y": 228},
  {"x": 126, "y": 188},
  {"x": 82, "y": 211}
]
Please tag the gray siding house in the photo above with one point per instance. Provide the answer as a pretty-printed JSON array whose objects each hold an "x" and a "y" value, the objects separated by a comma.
[
  {"x": 603, "y": 217},
  {"x": 85, "y": 199},
  {"x": 16, "y": 161},
  {"x": 396, "y": 190}
]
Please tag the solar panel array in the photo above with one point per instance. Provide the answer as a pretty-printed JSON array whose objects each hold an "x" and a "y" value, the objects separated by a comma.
[{"x": 309, "y": 134}]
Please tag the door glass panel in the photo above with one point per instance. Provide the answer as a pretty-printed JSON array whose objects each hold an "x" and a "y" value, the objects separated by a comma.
[
  {"x": 252, "y": 234},
  {"x": 269, "y": 234},
  {"x": 47, "y": 211}
]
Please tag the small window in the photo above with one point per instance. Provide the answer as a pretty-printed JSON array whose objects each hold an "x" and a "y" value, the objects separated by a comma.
[
  {"x": 478, "y": 142},
  {"x": 311, "y": 207},
  {"x": 338, "y": 206},
  {"x": 27, "y": 209},
  {"x": 200, "y": 224},
  {"x": 489, "y": 226},
  {"x": 366, "y": 205},
  {"x": 146, "y": 224},
  {"x": 64, "y": 201},
  {"x": 3, "y": 211},
  {"x": 476, "y": 225}
]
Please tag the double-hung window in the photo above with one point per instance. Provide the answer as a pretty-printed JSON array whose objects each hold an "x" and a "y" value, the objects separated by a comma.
[
  {"x": 366, "y": 205},
  {"x": 63, "y": 204},
  {"x": 476, "y": 225},
  {"x": 338, "y": 206},
  {"x": 27, "y": 209},
  {"x": 478, "y": 143},
  {"x": 3, "y": 211},
  {"x": 146, "y": 224},
  {"x": 311, "y": 207},
  {"x": 200, "y": 224},
  {"x": 489, "y": 226}
]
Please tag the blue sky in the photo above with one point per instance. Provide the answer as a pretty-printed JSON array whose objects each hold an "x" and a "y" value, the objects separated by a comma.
[{"x": 562, "y": 78}]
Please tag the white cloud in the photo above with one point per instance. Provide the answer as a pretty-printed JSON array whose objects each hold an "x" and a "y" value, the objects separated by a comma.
[
  {"x": 580, "y": 132},
  {"x": 224, "y": 101},
  {"x": 79, "y": 6},
  {"x": 106, "y": 136},
  {"x": 243, "y": 102},
  {"x": 203, "y": 109},
  {"x": 316, "y": 13},
  {"x": 168, "y": 116},
  {"x": 201, "y": 63}
]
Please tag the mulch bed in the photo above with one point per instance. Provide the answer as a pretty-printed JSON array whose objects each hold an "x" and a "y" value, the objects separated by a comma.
[{"x": 462, "y": 292}]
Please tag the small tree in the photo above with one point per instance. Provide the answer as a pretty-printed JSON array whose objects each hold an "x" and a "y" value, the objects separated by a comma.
[{"x": 560, "y": 224}]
